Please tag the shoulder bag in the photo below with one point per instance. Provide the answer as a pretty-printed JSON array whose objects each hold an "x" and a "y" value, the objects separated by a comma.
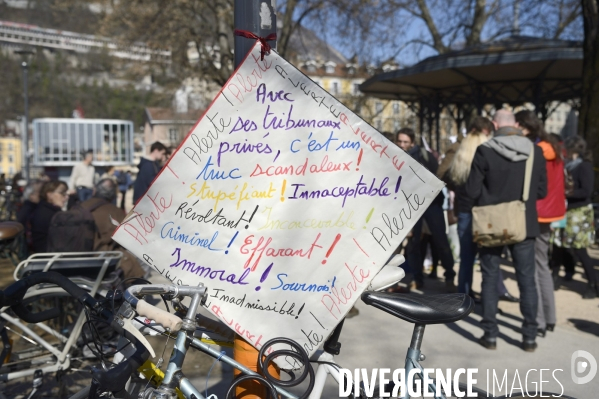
[{"x": 505, "y": 223}]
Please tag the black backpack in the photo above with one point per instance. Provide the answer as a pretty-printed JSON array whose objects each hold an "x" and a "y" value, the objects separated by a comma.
[{"x": 74, "y": 230}]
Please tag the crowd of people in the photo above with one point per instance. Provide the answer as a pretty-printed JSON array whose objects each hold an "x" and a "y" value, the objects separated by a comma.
[
  {"x": 509, "y": 158},
  {"x": 485, "y": 167},
  {"x": 46, "y": 202}
]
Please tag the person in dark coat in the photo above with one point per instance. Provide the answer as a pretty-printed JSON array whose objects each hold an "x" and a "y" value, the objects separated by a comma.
[
  {"x": 579, "y": 232},
  {"x": 31, "y": 196},
  {"x": 148, "y": 170},
  {"x": 53, "y": 197},
  {"x": 550, "y": 209},
  {"x": 104, "y": 213},
  {"x": 434, "y": 217},
  {"x": 497, "y": 176}
]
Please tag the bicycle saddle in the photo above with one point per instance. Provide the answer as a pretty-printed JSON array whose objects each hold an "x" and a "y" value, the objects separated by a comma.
[
  {"x": 10, "y": 230},
  {"x": 422, "y": 309}
]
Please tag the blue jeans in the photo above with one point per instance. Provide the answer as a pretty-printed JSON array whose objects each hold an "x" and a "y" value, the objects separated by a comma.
[
  {"x": 436, "y": 223},
  {"x": 523, "y": 254},
  {"x": 468, "y": 251},
  {"x": 84, "y": 193}
]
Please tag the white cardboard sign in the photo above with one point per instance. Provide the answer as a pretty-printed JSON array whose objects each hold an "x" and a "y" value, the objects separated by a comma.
[{"x": 282, "y": 202}]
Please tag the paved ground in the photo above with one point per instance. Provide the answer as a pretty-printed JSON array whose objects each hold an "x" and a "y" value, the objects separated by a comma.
[{"x": 375, "y": 339}]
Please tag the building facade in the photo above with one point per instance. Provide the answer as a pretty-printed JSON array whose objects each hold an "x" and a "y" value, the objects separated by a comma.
[
  {"x": 167, "y": 126},
  {"x": 10, "y": 155},
  {"x": 342, "y": 79}
]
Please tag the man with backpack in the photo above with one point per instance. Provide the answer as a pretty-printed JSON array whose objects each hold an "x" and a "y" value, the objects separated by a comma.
[{"x": 497, "y": 177}]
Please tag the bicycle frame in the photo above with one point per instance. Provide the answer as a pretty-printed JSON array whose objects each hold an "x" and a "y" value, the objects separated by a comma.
[
  {"x": 388, "y": 276},
  {"x": 322, "y": 372},
  {"x": 173, "y": 377},
  {"x": 413, "y": 358}
]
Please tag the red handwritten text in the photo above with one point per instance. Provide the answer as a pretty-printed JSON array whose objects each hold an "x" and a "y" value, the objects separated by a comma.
[
  {"x": 337, "y": 298},
  {"x": 241, "y": 84},
  {"x": 262, "y": 247},
  {"x": 142, "y": 225}
]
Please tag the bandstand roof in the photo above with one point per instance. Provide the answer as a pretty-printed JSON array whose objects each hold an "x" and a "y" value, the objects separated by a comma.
[{"x": 515, "y": 70}]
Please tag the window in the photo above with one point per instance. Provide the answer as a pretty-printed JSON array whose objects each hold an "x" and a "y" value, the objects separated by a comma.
[
  {"x": 395, "y": 108},
  {"x": 395, "y": 125},
  {"x": 173, "y": 135},
  {"x": 378, "y": 106},
  {"x": 10, "y": 148},
  {"x": 379, "y": 125},
  {"x": 335, "y": 88},
  {"x": 310, "y": 66},
  {"x": 356, "y": 88},
  {"x": 11, "y": 170},
  {"x": 0, "y": 157},
  {"x": 10, "y": 158},
  {"x": 329, "y": 67}
]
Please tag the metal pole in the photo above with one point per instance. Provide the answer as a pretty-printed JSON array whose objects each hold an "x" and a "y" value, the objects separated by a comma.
[
  {"x": 26, "y": 130},
  {"x": 256, "y": 16}
]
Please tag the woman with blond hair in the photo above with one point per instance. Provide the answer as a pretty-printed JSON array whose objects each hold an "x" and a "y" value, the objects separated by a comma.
[{"x": 459, "y": 170}]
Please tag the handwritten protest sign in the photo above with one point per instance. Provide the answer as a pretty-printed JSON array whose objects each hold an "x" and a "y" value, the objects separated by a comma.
[{"x": 282, "y": 202}]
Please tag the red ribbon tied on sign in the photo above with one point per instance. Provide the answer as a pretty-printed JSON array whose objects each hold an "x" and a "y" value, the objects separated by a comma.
[{"x": 263, "y": 40}]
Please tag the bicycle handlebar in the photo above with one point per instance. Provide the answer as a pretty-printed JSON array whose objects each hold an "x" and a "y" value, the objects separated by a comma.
[
  {"x": 168, "y": 320},
  {"x": 163, "y": 317},
  {"x": 15, "y": 293}
]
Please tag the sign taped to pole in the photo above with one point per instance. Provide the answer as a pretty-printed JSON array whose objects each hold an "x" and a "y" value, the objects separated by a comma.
[{"x": 282, "y": 202}]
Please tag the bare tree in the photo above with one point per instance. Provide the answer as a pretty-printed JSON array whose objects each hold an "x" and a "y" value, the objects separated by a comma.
[
  {"x": 206, "y": 27},
  {"x": 445, "y": 25}
]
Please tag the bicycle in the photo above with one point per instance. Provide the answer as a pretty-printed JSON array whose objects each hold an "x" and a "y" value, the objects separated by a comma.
[
  {"x": 419, "y": 310},
  {"x": 172, "y": 382},
  {"x": 56, "y": 346}
]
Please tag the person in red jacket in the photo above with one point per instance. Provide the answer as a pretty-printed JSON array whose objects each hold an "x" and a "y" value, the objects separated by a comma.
[{"x": 549, "y": 209}]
